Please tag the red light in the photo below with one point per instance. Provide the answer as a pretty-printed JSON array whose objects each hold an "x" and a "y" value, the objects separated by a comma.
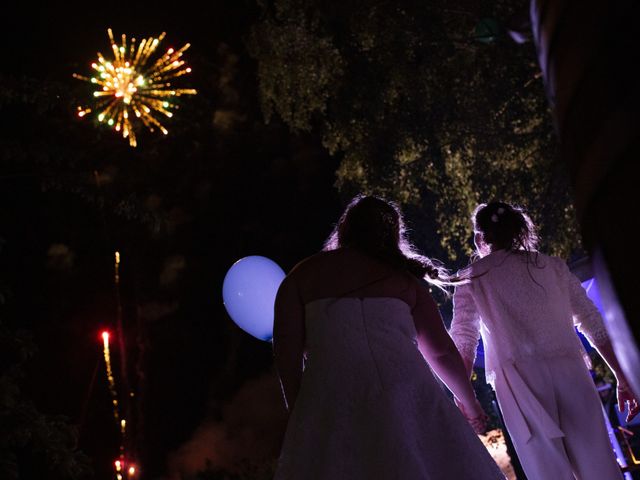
[{"x": 105, "y": 336}]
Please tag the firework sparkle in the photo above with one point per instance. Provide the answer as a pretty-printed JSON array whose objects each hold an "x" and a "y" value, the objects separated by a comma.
[{"x": 134, "y": 88}]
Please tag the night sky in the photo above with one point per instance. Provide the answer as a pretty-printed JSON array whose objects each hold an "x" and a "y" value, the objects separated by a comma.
[{"x": 180, "y": 209}]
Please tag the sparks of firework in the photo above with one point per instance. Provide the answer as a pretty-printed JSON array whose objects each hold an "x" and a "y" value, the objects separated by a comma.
[
  {"x": 111, "y": 381},
  {"x": 116, "y": 275},
  {"x": 134, "y": 87},
  {"x": 122, "y": 466}
]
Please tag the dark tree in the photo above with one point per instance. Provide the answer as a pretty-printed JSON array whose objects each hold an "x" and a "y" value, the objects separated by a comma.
[
  {"x": 430, "y": 104},
  {"x": 32, "y": 444}
]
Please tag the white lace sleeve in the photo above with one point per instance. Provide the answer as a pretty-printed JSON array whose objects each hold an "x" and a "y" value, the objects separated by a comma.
[
  {"x": 585, "y": 314},
  {"x": 465, "y": 326}
]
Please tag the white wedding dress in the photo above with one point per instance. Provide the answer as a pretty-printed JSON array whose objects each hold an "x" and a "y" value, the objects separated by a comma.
[{"x": 369, "y": 406}]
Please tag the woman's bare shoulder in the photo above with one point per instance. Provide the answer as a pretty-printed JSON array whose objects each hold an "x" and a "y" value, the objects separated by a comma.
[{"x": 315, "y": 260}]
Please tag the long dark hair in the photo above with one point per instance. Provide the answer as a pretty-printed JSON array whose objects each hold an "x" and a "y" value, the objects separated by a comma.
[{"x": 376, "y": 227}]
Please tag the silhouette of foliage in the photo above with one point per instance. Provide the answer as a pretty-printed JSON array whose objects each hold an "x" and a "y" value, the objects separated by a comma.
[{"x": 427, "y": 104}]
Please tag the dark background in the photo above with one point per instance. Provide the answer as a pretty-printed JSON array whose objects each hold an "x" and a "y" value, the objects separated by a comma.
[{"x": 180, "y": 209}]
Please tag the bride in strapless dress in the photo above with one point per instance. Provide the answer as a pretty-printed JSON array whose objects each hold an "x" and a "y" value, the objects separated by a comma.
[{"x": 354, "y": 336}]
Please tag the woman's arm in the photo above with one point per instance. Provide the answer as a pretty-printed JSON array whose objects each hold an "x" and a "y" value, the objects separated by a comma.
[
  {"x": 589, "y": 321},
  {"x": 289, "y": 339},
  {"x": 436, "y": 346},
  {"x": 465, "y": 326},
  {"x": 626, "y": 397}
]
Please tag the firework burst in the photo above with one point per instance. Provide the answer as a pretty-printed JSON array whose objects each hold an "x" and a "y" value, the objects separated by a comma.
[{"x": 135, "y": 85}]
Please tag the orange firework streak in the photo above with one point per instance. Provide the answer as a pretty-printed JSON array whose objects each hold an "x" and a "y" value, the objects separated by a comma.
[
  {"x": 111, "y": 381},
  {"x": 122, "y": 465}
]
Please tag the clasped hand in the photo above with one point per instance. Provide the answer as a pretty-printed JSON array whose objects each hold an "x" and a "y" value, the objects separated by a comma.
[
  {"x": 476, "y": 417},
  {"x": 626, "y": 398}
]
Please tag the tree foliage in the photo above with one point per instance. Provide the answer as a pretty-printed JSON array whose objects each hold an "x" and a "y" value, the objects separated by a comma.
[
  {"x": 32, "y": 444},
  {"x": 424, "y": 103}
]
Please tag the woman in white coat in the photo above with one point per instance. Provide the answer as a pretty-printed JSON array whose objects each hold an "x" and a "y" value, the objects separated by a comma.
[{"x": 525, "y": 305}]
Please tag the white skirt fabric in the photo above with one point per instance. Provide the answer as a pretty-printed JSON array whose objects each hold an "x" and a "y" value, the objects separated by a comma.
[{"x": 369, "y": 406}]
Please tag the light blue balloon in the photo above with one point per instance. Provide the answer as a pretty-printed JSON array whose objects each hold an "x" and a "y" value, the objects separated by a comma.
[{"x": 249, "y": 293}]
